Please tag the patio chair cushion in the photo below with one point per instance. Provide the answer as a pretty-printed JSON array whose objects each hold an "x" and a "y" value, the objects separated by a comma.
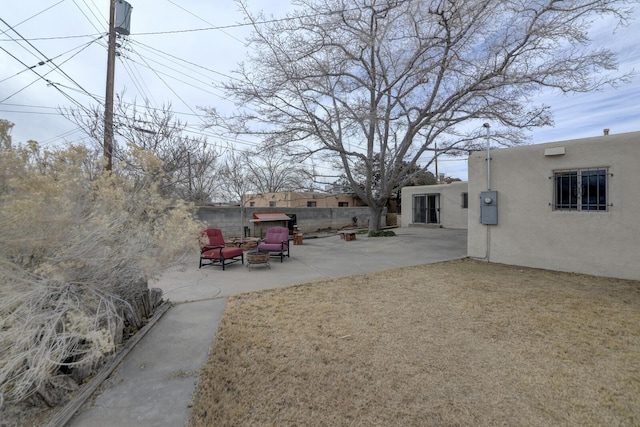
[
  {"x": 272, "y": 247},
  {"x": 218, "y": 253},
  {"x": 276, "y": 242},
  {"x": 213, "y": 249}
]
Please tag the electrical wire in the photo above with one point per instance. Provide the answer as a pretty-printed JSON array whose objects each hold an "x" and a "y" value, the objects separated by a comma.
[
  {"x": 136, "y": 82},
  {"x": 49, "y": 61},
  {"x": 205, "y": 21},
  {"x": 49, "y": 72},
  {"x": 134, "y": 67},
  {"x": 54, "y": 85},
  {"x": 61, "y": 136},
  {"x": 81, "y": 47},
  {"x": 263, "y": 22},
  {"x": 192, "y": 130},
  {"x": 135, "y": 42},
  {"x": 146, "y": 65},
  {"x": 99, "y": 30},
  {"x": 174, "y": 92},
  {"x": 81, "y": 36},
  {"x": 33, "y": 16},
  {"x": 30, "y": 112}
]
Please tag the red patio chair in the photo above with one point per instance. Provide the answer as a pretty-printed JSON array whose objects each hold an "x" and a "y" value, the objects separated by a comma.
[
  {"x": 212, "y": 249},
  {"x": 276, "y": 242}
]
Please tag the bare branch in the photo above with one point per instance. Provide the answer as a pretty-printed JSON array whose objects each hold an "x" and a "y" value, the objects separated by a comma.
[{"x": 362, "y": 79}]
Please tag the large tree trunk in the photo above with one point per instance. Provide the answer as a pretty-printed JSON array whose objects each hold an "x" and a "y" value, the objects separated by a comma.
[{"x": 375, "y": 213}]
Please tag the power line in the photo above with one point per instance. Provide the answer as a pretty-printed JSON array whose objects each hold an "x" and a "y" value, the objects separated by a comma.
[
  {"x": 30, "y": 112},
  {"x": 81, "y": 36},
  {"x": 45, "y": 56},
  {"x": 135, "y": 42},
  {"x": 172, "y": 90},
  {"x": 27, "y": 105},
  {"x": 33, "y": 16},
  {"x": 212, "y": 27},
  {"x": 53, "y": 84},
  {"x": 186, "y": 129},
  {"x": 262, "y": 22},
  {"x": 136, "y": 82},
  {"x": 203, "y": 20},
  {"x": 61, "y": 136},
  {"x": 188, "y": 62},
  {"x": 134, "y": 67},
  {"x": 47, "y": 73},
  {"x": 99, "y": 30},
  {"x": 146, "y": 64},
  {"x": 193, "y": 113},
  {"x": 82, "y": 47}
]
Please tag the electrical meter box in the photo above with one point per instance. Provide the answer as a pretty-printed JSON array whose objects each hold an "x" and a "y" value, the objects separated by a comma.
[{"x": 489, "y": 207}]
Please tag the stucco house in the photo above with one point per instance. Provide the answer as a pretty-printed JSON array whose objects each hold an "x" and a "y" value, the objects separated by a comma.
[
  {"x": 441, "y": 205},
  {"x": 567, "y": 206}
]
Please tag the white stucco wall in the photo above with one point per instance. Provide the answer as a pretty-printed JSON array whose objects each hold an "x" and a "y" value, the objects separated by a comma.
[
  {"x": 530, "y": 233},
  {"x": 452, "y": 215}
]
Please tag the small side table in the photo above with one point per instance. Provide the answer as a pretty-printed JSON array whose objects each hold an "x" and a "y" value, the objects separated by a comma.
[{"x": 348, "y": 235}]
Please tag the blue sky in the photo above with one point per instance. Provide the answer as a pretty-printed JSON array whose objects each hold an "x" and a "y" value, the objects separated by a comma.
[{"x": 168, "y": 63}]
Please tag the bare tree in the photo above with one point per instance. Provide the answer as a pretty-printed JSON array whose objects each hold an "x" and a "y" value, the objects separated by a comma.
[
  {"x": 273, "y": 170},
  {"x": 270, "y": 170},
  {"x": 415, "y": 175},
  {"x": 236, "y": 181},
  {"x": 188, "y": 162},
  {"x": 358, "y": 78}
]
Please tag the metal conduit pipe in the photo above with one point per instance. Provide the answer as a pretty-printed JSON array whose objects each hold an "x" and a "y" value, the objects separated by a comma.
[{"x": 488, "y": 128}]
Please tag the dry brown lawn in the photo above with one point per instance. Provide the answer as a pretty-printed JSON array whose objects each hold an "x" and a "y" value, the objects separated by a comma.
[{"x": 455, "y": 343}]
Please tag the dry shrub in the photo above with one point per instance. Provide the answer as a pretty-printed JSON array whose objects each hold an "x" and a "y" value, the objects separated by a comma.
[
  {"x": 76, "y": 247},
  {"x": 53, "y": 328}
]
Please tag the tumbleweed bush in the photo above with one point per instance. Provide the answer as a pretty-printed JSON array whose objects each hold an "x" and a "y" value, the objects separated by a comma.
[{"x": 76, "y": 245}]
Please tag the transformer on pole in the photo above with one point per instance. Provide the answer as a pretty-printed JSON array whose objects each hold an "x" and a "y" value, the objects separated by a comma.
[{"x": 123, "y": 17}]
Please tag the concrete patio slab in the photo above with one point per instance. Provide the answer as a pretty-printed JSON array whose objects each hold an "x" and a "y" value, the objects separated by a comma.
[{"x": 154, "y": 383}]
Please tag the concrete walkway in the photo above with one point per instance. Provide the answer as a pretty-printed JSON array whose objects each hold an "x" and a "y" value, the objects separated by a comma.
[{"x": 154, "y": 384}]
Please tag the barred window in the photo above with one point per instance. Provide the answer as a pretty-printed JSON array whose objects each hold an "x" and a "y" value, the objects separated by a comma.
[{"x": 580, "y": 190}]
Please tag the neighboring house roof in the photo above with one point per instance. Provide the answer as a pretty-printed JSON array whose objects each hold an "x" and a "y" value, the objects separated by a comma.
[{"x": 269, "y": 216}]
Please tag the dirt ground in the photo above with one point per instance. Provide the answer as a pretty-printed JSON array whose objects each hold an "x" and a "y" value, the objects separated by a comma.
[{"x": 455, "y": 343}]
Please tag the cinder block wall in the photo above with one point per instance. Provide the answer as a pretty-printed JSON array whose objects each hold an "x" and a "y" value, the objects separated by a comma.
[{"x": 309, "y": 220}]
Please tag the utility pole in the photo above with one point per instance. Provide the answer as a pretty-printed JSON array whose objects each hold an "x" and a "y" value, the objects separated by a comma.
[{"x": 108, "y": 105}]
